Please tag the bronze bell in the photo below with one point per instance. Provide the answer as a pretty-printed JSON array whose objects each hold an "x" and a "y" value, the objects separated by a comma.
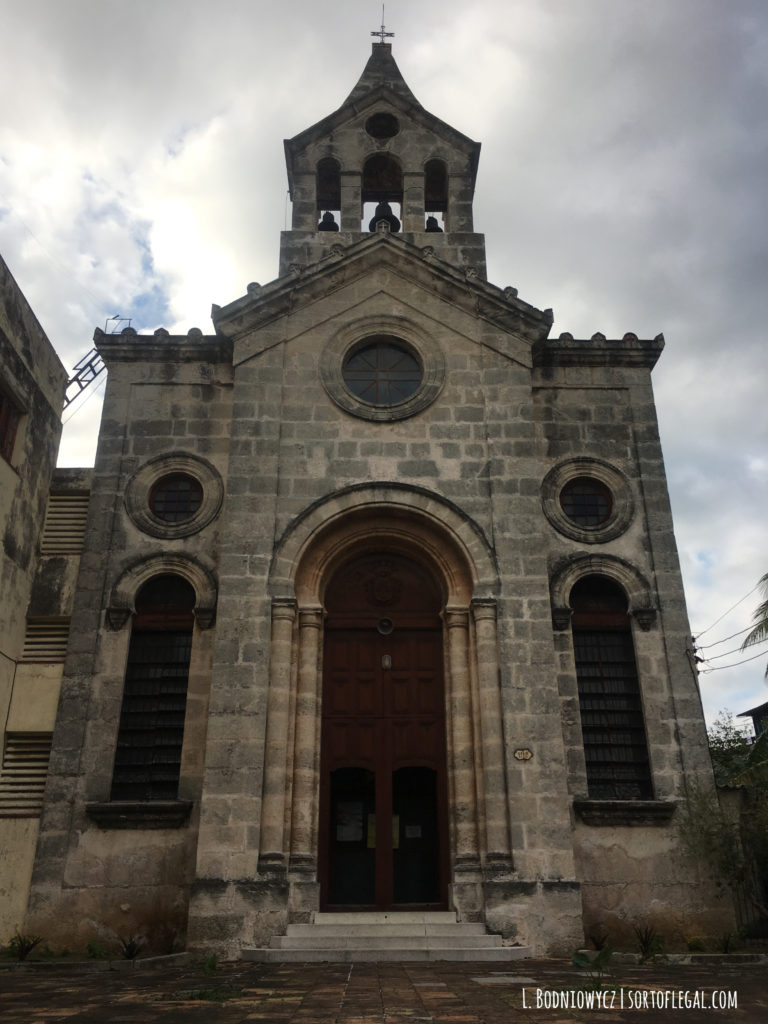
[
  {"x": 384, "y": 212},
  {"x": 327, "y": 222},
  {"x": 432, "y": 225}
]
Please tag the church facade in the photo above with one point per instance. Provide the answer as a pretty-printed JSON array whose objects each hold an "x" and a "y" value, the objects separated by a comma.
[{"x": 379, "y": 606}]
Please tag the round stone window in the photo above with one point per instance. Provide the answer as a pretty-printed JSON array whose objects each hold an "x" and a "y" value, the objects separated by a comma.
[
  {"x": 586, "y": 501},
  {"x": 175, "y": 497},
  {"x": 382, "y": 372},
  {"x": 382, "y": 125},
  {"x": 382, "y": 368}
]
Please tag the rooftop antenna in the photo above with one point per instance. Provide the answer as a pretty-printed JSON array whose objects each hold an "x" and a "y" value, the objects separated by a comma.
[
  {"x": 382, "y": 34},
  {"x": 119, "y": 323}
]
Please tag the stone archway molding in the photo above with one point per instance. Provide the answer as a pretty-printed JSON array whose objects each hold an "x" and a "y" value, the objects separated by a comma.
[
  {"x": 436, "y": 534},
  {"x": 631, "y": 580},
  {"x": 122, "y": 602},
  {"x": 428, "y": 526}
]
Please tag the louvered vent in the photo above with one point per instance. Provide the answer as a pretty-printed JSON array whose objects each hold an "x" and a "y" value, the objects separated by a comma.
[
  {"x": 46, "y": 640},
  {"x": 64, "y": 529},
  {"x": 22, "y": 778}
]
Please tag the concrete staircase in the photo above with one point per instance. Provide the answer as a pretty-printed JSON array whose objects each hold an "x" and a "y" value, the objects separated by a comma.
[{"x": 385, "y": 936}]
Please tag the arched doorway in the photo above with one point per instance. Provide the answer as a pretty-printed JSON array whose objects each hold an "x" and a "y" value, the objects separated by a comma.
[{"x": 383, "y": 836}]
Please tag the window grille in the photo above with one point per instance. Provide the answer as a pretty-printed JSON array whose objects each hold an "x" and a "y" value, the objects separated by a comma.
[
  {"x": 612, "y": 723},
  {"x": 23, "y": 774},
  {"x": 176, "y": 497},
  {"x": 65, "y": 520},
  {"x": 148, "y": 756},
  {"x": 586, "y": 501},
  {"x": 46, "y": 640}
]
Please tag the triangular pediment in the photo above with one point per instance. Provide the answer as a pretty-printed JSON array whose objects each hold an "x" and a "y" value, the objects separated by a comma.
[
  {"x": 418, "y": 267},
  {"x": 353, "y": 111}
]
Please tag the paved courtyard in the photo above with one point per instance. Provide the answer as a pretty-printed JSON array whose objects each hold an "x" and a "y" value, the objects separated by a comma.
[{"x": 542, "y": 991}]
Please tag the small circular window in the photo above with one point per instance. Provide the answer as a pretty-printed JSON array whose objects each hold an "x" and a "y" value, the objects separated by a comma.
[
  {"x": 382, "y": 126},
  {"x": 586, "y": 501},
  {"x": 383, "y": 372},
  {"x": 176, "y": 497}
]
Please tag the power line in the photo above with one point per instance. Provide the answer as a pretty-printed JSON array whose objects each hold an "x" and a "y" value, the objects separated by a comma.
[
  {"x": 719, "y": 668},
  {"x": 756, "y": 586},
  {"x": 736, "y": 650},
  {"x": 706, "y": 647}
]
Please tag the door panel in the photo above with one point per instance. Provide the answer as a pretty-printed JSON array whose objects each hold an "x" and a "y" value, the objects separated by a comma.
[
  {"x": 352, "y": 877},
  {"x": 389, "y": 726},
  {"x": 383, "y": 760},
  {"x": 415, "y": 840}
]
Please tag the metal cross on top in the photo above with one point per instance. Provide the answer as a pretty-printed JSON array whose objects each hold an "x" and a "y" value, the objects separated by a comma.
[{"x": 381, "y": 33}]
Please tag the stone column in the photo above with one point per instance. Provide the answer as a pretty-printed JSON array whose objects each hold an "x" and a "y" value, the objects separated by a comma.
[
  {"x": 459, "y": 214},
  {"x": 491, "y": 732},
  {"x": 351, "y": 200},
  {"x": 304, "y": 800},
  {"x": 462, "y": 767},
  {"x": 272, "y": 841},
  {"x": 414, "y": 218},
  {"x": 304, "y": 212}
]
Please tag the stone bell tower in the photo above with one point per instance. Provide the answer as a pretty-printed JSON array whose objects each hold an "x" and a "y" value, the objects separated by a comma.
[{"x": 381, "y": 148}]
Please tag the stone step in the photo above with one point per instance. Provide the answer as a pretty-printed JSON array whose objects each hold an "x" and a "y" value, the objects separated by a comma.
[
  {"x": 484, "y": 954},
  {"x": 388, "y": 936},
  {"x": 348, "y": 917},
  {"x": 395, "y": 940},
  {"x": 364, "y": 928}
]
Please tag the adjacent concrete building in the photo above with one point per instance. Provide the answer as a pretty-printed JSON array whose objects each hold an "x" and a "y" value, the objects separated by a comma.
[
  {"x": 379, "y": 607},
  {"x": 32, "y": 385}
]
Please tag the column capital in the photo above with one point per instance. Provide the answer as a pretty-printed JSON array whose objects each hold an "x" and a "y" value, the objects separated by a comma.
[
  {"x": 284, "y": 608},
  {"x": 311, "y": 618},
  {"x": 456, "y": 618},
  {"x": 484, "y": 608}
]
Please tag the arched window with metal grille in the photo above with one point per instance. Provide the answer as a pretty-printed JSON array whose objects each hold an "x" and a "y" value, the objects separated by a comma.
[
  {"x": 612, "y": 721},
  {"x": 151, "y": 732}
]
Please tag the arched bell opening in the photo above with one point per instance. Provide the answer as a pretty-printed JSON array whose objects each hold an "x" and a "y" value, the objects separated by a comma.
[
  {"x": 436, "y": 195},
  {"x": 382, "y": 192},
  {"x": 328, "y": 194}
]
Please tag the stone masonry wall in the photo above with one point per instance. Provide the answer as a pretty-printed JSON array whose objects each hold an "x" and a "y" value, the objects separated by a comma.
[{"x": 91, "y": 881}]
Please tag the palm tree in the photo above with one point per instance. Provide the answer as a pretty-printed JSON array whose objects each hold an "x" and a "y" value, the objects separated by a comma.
[{"x": 760, "y": 629}]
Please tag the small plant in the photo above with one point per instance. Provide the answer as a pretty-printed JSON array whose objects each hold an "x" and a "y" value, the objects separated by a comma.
[
  {"x": 598, "y": 937},
  {"x": 651, "y": 943},
  {"x": 95, "y": 950},
  {"x": 695, "y": 944},
  {"x": 21, "y": 946},
  {"x": 208, "y": 966},
  {"x": 595, "y": 966},
  {"x": 131, "y": 947}
]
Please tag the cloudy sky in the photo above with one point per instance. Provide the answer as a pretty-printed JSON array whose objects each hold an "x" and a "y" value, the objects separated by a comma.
[{"x": 623, "y": 181}]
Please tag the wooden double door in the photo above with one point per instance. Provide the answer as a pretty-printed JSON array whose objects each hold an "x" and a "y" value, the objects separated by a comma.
[{"x": 383, "y": 808}]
